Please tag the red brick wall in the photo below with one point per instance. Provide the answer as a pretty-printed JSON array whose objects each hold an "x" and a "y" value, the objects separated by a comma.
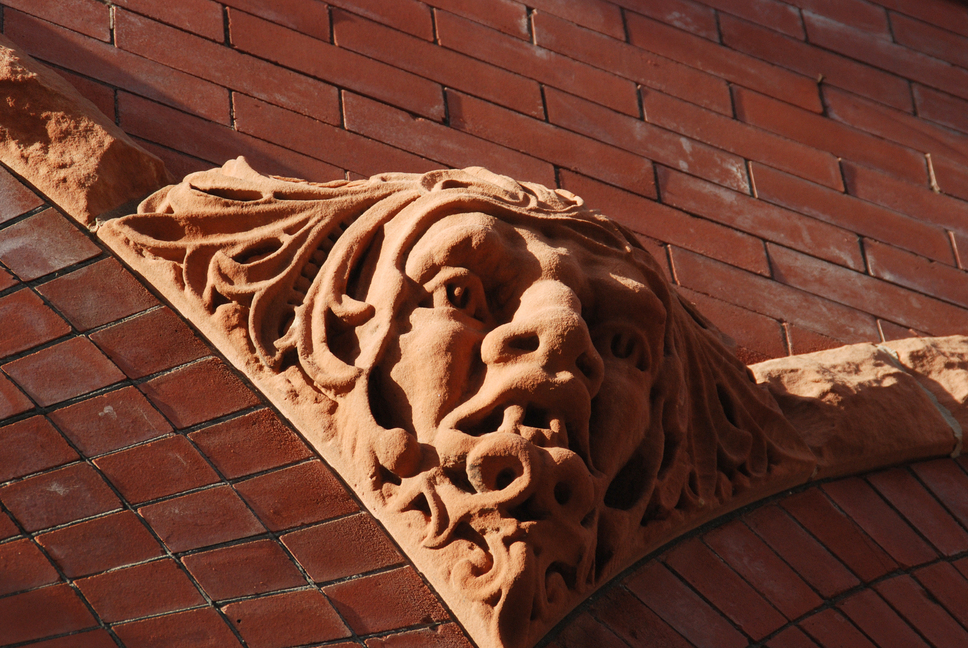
[{"x": 799, "y": 167}]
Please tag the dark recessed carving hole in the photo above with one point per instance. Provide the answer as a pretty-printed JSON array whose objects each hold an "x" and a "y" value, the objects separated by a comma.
[
  {"x": 629, "y": 484},
  {"x": 563, "y": 493},
  {"x": 504, "y": 478},
  {"x": 486, "y": 425},
  {"x": 241, "y": 195},
  {"x": 387, "y": 477},
  {"x": 525, "y": 343},
  {"x": 729, "y": 408},
  {"x": 529, "y": 511},
  {"x": 218, "y": 299},
  {"x": 458, "y": 477},
  {"x": 421, "y": 505},
  {"x": 586, "y": 366},
  {"x": 256, "y": 252},
  {"x": 535, "y": 417}
]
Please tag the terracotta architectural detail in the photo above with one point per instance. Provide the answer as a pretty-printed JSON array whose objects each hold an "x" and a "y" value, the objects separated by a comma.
[
  {"x": 64, "y": 146},
  {"x": 507, "y": 380}
]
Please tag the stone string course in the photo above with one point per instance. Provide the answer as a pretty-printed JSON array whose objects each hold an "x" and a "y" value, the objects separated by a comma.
[{"x": 798, "y": 212}]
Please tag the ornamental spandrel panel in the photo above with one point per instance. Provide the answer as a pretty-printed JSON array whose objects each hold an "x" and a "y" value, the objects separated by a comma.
[{"x": 502, "y": 374}]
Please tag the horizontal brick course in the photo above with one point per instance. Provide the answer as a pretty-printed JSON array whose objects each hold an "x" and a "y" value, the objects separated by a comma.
[
  {"x": 100, "y": 544},
  {"x": 250, "y": 443},
  {"x": 42, "y": 244},
  {"x": 63, "y": 371},
  {"x": 147, "y": 589},
  {"x": 267, "y": 622},
  {"x": 30, "y": 446},
  {"x": 111, "y": 421},
  {"x": 407, "y": 601},
  {"x": 201, "y": 519},
  {"x": 243, "y": 569},
  {"x": 63, "y": 612},
  {"x": 28, "y": 322},
  {"x": 321, "y": 551},
  {"x": 164, "y": 467},
  {"x": 193, "y": 629},
  {"x": 58, "y": 497},
  {"x": 24, "y": 567}
]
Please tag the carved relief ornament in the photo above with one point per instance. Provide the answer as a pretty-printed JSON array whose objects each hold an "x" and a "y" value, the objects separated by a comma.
[{"x": 503, "y": 376}]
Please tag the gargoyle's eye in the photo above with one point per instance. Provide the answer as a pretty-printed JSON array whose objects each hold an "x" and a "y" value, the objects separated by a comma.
[
  {"x": 463, "y": 291},
  {"x": 628, "y": 345},
  {"x": 458, "y": 295}
]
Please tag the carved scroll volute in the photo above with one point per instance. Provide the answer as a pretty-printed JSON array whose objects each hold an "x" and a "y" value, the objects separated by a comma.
[{"x": 510, "y": 384}]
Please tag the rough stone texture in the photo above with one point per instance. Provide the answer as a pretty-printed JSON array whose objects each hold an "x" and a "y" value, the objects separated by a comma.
[
  {"x": 62, "y": 144},
  {"x": 496, "y": 370},
  {"x": 858, "y": 408}
]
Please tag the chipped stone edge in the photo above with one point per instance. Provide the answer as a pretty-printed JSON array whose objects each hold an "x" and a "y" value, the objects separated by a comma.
[{"x": 895, "y": 360}]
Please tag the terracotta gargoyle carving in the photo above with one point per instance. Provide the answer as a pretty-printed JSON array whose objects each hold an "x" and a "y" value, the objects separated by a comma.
[{"x": 503, "y": 375}]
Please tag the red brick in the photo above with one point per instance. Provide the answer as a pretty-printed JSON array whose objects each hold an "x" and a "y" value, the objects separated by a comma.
[
  {"x": 641, "y": 138},
  {"x": 551, "y": 143},
  {"x": 308, "y": 18},
  {"x": 198, "y": 392},
  {"x": 681, "y": 608},
  {"x": 724, "y": 589},
  {"x": 201, "y": 139},
  {"x": 669, "y": 225},
  {"x": 892, "y": 331},
  {"x": 111, "y": 421},
  {"x": 178, "y": 164},
  {"x": 149, "y": 343},
  {"x": 142, "y": 590},
  {"x": 855, "y": 13},
  {"x": 87, "y": 17},
  {"x": 777, "y": 16},
  {"x": 90, "y": 639},
  {"x": 941, "y": 108},
  {"x": 584, "y": 630},
  {"x": 267, "y": 622},
  {"x": 832, "y": 630},
  {"x": 813, "y": 61},
  {"x": 599, "y": 15},
  {"x": 753, "y": 560},
  {"x": 883, "y": 53},
  {"x": 916, "y": 201},
  {"x": 117, "y": 68},
  {"x": 42, "y": 244},
  {"x": 7, "y": 528},
  {"x": 759, "y": 218},
  {"x": 819, "y": 132},
  {"x": 404, "y": 600},
  {"x": 948, "y": 587},
  {"x": 851, "y": 213},
  {"x": 224, "y": 66},
  {"x": 952, "y": 177},
  {"x": 321, "y": 550},
  {"x": 408, "y": 16},
  {"x": 62, "y": 612},
  {"x": 7, "y": 280},
  {"x": 631, "y": 63},
  {"x": 12, "y": 400},
  {"x": 862, "y": 504},
  {"x": 506, "y": 16},
  {"x": 450, "y": 147},
  {"x": 632, "y": 621},
  {"x": 948, "y": 483},
  {"x": 336, "y": 65},
  {"x": 739, "y": 138},
  {"x": 202, "y": 628},
  {"x": 447, "y": 635},
  {"x": 100, "y": 95},
  {"x": 839, "y": 534},
  {"x": 803, "y": 553},
  {"x": 244, "y": 569},
  {"x": 202, "y": 17},
  {"x": 296, "y": 496},
  {"x": 791, "y": 637},
  {"x": 100, "y": 544},
  {"x": 878, "y": 621},
  {"x": 160, "y": 468},
  {"x": 201, "y": 519},
  {"x": 923, "y": 613},
  {"x": 27, "y": 322},
  {"x": 895, "y": 125},
  {"x": 863, "y": 292},
  {"x": 806, "y": 341},
  {"x": 951, "y": 16},
  {"x": 251, "y": 443},
  {"x": 97, "y": 294},
  {"x": 773, "y": 299},
  {"x": 63, "y": 371},
  {"x": 58, "y": 497},
  {"x": 686, "y": 15},
  {"x": 30, "y": 446},
  {"x": 731, "y": 65},
  {"x": 542, "y": 65},
  {"x": 917, "y": 273},
  {"x": 15, "y": 198},
  {"x": 347, "y": 150},
  {"x": 759, "y": 337},
  {"x": 428, "y": 60},
  {"x": 23, "y": 567}
]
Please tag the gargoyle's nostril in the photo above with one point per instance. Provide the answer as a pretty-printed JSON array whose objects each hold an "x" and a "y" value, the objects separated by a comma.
[
  {"x": 524, "y": 343},
  {"x": 587, "y": 366},
  {"x": 562, "y": 492},
  {"x": 504, "y": 479}
]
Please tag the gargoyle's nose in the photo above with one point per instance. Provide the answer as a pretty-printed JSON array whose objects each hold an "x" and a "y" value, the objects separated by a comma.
[{"x": 548, "y": 330}]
